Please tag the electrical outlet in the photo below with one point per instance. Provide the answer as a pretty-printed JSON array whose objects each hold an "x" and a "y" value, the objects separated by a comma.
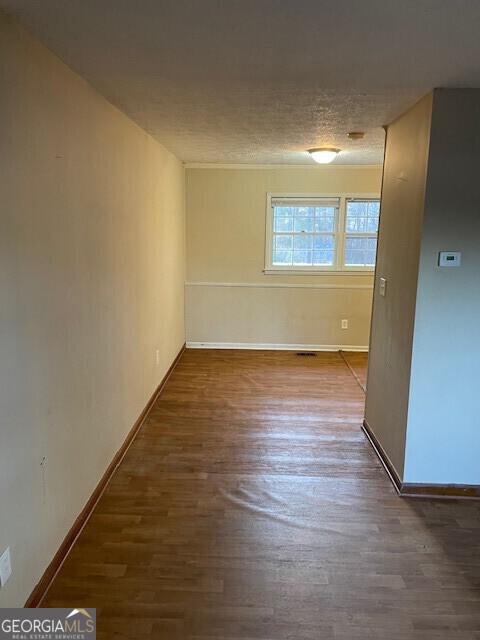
[
  {"x": 344, "y": 324},
  {"x": 5, "y": 567},
  {"x": 157, "y": 356}
]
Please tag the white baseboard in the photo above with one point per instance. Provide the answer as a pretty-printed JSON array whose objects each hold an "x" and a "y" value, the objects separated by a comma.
[{"x": 275, "y": 347}]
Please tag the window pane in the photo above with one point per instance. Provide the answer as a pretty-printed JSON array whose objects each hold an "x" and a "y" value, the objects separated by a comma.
[
  {"x": 355, "y": 223},
  {"x": 283, "y": 224},
  {"x": 325, "y": 211},
  {"x": 282, "y": 211},
  {"x": 324, "y": 224},
  {"x": 303, "y": 224},
  {"x": 323, "y": 242},
  {"x": 357, "y": 208},
  {"x": 325, "y": 219},
  {"x": 303, "y": 212},
  {"x": 282, "y": 257},
  {"x": 283, "y": 242},
  {"x": 324, "y": 258},
  {"x": 302, "y": 242},
  {"x": 302, "y": 257},
  {"x": 360, "y": 252},
  {"x": 362, "y": 217}
]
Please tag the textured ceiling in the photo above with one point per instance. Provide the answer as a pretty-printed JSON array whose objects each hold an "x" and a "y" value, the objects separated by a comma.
[{"x": 260, "y": 81}]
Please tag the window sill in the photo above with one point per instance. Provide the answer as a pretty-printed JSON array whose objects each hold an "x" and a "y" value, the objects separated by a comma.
[{"x": 318, "y": 272}]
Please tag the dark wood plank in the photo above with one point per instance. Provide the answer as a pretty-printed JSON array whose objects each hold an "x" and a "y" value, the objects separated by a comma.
[{"x": 251, "y": 506}]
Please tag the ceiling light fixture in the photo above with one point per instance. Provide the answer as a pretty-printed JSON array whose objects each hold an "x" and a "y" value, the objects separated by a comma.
[{"x": 324, "y": 155}]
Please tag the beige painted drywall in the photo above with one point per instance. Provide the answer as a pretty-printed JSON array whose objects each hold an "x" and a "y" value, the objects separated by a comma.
[
  {"x": 278, "y": 316},
  {"x": 226, "y": 245},
  {"x": 403, "y": 196},
  {"x": 91, "y": 284}
]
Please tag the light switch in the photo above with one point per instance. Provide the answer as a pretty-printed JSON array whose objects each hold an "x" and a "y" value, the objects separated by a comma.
[
  {"x": 383, "y": 287},
  {"x": 449, "y": 259}
]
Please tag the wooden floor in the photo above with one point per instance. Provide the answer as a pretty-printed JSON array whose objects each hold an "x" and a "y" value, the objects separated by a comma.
[
  {"x": 357, "y": 363},
  {"x": 251, "y": 506}
]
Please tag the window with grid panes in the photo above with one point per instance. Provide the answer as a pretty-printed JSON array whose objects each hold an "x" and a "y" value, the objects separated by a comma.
[
  {"x": 321, "y": 234},
  {"x": 361, "y": 229}
]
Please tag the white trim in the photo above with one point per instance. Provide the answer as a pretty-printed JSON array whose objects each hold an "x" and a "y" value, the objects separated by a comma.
[
  {"x": 328, "y": 273},
  {"x": 340, "y": 238},
  {"x": 275, "y": 347},
  {"x": 276, "y": 285},
  {"x": 315, "y": 167},
  {"x": 333, "y": 196}
]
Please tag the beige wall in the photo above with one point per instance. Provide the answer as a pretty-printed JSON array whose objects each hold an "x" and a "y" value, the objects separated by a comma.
[
  {"x": 443, "y": 434},
  {"x": 403, "y": 196},
  {"x": 226, "y": 245},
  {"x": 91, "y": 283}
]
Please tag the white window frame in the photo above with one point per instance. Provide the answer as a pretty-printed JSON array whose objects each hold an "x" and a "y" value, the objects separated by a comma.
[{"x": 340, "y": 235}]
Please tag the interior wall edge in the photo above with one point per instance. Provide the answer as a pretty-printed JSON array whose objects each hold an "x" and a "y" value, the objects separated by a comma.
[
  {"x": 419, "y": 490},
  {"x": 398, "y": 251},
  {"x": 382, "y": 455}
]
